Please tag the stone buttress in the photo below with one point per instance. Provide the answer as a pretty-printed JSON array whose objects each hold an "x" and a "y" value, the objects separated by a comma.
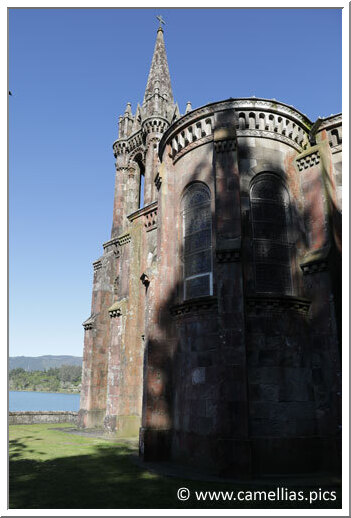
[{"x": 116, "y": 332}]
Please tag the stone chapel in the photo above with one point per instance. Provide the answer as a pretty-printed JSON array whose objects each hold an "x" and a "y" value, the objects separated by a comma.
[{"x": 215, "y": 322}]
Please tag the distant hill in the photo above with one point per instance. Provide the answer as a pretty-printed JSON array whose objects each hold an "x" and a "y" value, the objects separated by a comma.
[{"x": 41, "y": 363}]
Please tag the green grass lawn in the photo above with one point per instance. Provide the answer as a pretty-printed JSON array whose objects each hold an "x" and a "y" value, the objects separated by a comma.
[{"x": 53, "y": 469}]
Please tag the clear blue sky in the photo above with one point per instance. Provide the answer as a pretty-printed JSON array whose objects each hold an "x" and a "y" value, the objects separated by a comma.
[{"x": 71, "y": 72}]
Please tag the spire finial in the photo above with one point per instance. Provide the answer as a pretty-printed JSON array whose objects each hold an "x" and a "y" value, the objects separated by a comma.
[
  {"x": 158, "y": 80},
  {"x": 161, "y": 20}
]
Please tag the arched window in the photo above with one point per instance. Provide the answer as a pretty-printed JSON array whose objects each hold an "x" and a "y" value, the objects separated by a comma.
[
  {"x": 270, "y": 209},
  {"x": 197, "y": 253}
]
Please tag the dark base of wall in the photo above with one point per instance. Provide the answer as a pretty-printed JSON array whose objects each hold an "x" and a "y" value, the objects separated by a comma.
[
  {"x": 221, "y": 456},
  {"x": 290, "y": 456},
  {"x": 42, "y": 417},
  {"x": 243, "y": 458},
  {"x": 154, "y": 445}
]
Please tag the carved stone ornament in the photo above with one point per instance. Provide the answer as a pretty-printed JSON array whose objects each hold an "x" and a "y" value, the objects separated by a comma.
[
  {"x": 97, "y": 265},
  {"x": 123, "y": 240},
  {"x": 314, "y": 267},
  {"x": 281, "y": 122},
  {"x": 115, "y": 310},
  {"x": 316, "y": 261},
  {"x": 150, "y": 220},
  {"x": 224, "y": 146},
  {"x": 89, "y": 323},
  {"x": 308, "y": 161}
]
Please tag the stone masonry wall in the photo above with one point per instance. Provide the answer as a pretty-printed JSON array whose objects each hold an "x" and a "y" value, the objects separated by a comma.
[
  {"x": 43, "y": 417},
  {"x": 279, "y": 345}
]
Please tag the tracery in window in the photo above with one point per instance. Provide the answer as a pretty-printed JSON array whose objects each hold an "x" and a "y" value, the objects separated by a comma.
[
  {"x": 197, "y": 252},
  {"x": 271, "y": 248}
]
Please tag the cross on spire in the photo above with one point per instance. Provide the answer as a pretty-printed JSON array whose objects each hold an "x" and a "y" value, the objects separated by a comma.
[{"x": 161, "y": 20}]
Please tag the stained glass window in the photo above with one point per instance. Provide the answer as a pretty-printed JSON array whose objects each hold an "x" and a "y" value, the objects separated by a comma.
[
  {"x": 197, "y": 252},
  {"x": 271, "y": 248}
]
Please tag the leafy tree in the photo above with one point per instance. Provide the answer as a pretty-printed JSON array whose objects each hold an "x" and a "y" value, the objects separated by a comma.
[
  {"x": 70, "y": 373},
  {"x": 67, "y": 377}
]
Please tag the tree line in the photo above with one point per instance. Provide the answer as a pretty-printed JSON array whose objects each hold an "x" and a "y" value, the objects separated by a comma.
[{"x": 67, "y": 378}]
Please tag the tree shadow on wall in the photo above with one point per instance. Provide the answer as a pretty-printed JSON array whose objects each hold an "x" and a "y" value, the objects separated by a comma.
[{"x": 312, "y": 354}]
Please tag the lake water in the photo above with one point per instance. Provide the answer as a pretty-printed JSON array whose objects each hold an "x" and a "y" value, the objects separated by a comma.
[{"x": 36, "y": 401}]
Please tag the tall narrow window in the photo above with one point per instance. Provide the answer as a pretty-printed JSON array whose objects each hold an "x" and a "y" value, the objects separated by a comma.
[
  {"x": 140, "y": 161},
  {"x": 269, "y": 208},
  {"x": 141, "y": 191},
  {"x": 197, "y": 252}
]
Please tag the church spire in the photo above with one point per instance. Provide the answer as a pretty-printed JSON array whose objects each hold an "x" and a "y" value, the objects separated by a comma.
[{"x": 159, "y": 81}]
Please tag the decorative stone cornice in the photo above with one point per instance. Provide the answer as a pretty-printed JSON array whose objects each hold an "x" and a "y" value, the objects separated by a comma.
[
  {"x": 154, "y": 140},
  {"x": 134, "y": 144},
  {"x": 332, "y": 121},
  {"x": 224, "y": 146},
  {"x": 143, "y": 211},
  {"x": 115, "y": 310},
  {"x": 333, "y": 126},
  {"x": 150, "y": 220},
  {"x": 128, "y": 145},
  {"x": 197, "y": 133},
  {"x": 155, "y": 124},
  {"x": 194, "y": 306},
  {"x": 149, "y": 213},
  {"x": 316, "y": 261},
  {"x": 97, "y": 265},
  {"x": 308, "y": 160},
  {"x": 117, "y": 241},
  {"x": 270, "y": 135},
  {"x": 115, "y": 313},
  {"x": 123, "y": 240},
  {"x": 89, "y": 323},
  {"x": 111, "y": 242},
  {"x": 314, "y": 267},
  {"x": 135, "y": 141},
  {"x": 120, "y": 147},
  {"x": 268, "y": 304},
  {"x": 193, "y": 145},
  {"x": 237, "y": 104},
  {"x": 273, "y": 119}
]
